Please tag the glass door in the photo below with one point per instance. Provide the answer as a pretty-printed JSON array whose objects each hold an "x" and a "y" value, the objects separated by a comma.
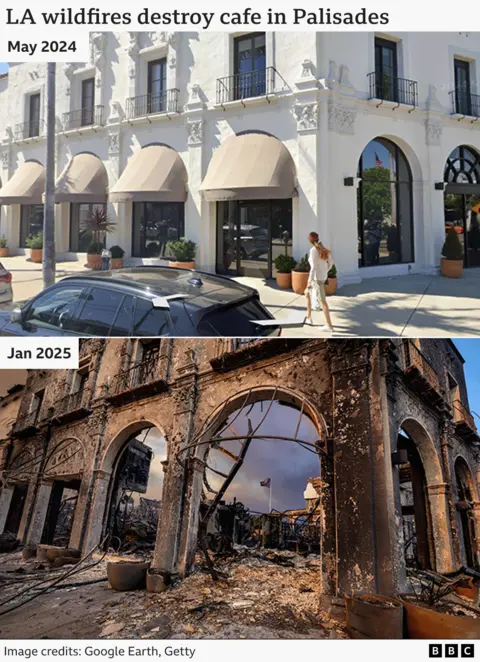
[
  {"x": 386, "y": 69},
  {"x": 253, "y": 227},
  {"x": 462, "y": 212},
  {"x": 462, "y": 87}
]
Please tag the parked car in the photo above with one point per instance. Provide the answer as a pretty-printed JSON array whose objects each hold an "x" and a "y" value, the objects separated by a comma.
[
  {"x": 142, "y": 301},
  {"x": 6, "y": 292},
  {"x": 253, "y": 241}
]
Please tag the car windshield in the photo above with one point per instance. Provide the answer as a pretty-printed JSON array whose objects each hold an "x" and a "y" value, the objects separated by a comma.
[{"x": 236, "y": 321}]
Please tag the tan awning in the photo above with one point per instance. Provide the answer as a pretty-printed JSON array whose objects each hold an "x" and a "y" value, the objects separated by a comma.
[
  {"x": 252, "y": 166},
  {"x": 83, "y": 180},
  {"x": 26, "y": 186},
  {"x": 156, "y": 173}
]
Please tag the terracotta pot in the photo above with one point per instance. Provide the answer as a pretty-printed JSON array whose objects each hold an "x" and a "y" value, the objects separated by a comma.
[
  {"x": 182, "y": 265},
  {"x": 43, "y": 549},
  {"x": 331, "y": 286},
  {"x": 60, "y": 561},
  {"x": 54, "y": 553},
  {"x": 29, "y": 552},
  {"x": 299, "y": 281},
  {"x": 94, "y": 261},
  {"x": 425, "y": 623},
  {"x": 374, "y": 617},
  {"x": 468, "y": 589},
  {"x": 116, "y": 263},
  {"x": 3, "y": 252},
  {"x": 127, "y": 575},
  {"x": 36, "y": 254},
  {"x": 284, "y": 281},
  {"x": 451, "y": 268}
]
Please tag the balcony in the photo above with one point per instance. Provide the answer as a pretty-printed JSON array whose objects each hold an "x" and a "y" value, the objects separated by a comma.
[
  {"x": 421, "y": 376},
  {"x": 142, "y": 380},
  {"x": 259, "y": 83},
  {"x": 26, "y": 130},
  {"x": 72, "y": 406},
  {"x": 399, "y": 91},
  {"x": 241, "y": 351},
  {"x": 464, "y": 422},
  {"x": 26, "y": 424},
  {"x": 83, "y": 118},
  {"x": 464, "y": 103},
  {"x": 149, "y": 104}
]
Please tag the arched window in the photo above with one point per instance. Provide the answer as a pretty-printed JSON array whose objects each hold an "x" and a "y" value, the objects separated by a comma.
[
  {"x": 385, "y": 212},
  {"x": 463, "y": 166}
]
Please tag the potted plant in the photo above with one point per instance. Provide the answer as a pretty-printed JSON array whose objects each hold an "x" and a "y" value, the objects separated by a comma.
[
  {"x": 284, "y": 265},
  {"x": 183, "y": 252},
  {"x": 117, "y": 257},
  {"x": 451, "y": 264},
  {"x": 94, "y": 255},
  {"x": 35, "y": 244},
  {"x": 98, "y": 224},
  {"x": 300, "y": 275},
  {"x": 331, "y": 285},
  {"x": 374, "y": 617},
  {"x": 3, "y": 247}
]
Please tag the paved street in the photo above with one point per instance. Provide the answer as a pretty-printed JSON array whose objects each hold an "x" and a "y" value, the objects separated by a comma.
[{"x": 411, "y": 306}]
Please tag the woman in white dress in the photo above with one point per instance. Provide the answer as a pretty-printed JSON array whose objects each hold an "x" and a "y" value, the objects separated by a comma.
[{"x": 320, "y": 260}]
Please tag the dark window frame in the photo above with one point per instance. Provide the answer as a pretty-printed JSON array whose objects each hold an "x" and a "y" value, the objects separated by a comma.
[
  {"x": 75, "y": 218},
  {"x": 88, "y": 110},
  {"x": 257, "y": 86},
  {"x": 34, "y": 112},
  {"x": 461, "y": 97},
  {"x": 380, "y": 45},
  {"x": 23, "y": 212},
  {"x": 162, "y": 64},
  {"x": 181, "y": 223}
]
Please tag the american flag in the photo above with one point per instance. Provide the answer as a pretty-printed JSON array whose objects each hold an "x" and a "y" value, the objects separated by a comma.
[
  {"x": 378, "y": 161},
  {"x": 266, "y": 482}
]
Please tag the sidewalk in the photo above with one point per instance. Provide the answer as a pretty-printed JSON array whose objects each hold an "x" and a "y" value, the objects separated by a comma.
[{"x": 412, "y": 306}]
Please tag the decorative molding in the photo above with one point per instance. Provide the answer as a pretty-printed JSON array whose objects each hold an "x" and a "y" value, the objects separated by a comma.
[
  {"x": 306, "y": 116},
  {"x": 195, "y": 132},
  {"x": 114, "y": 143},
  {"x": 433, "y": 131},
  {"x": 308, "y": 69},
  {"x": 133, "y": 44},
  {"x": 332, "y": 78},
  {"x": 341, "y": 117},
  {"x": 5, "y": 158}
]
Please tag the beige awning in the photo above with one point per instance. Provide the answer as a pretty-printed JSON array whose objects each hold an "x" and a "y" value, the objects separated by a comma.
[
  {"x": 156, "y": 173},
  {"x": 26, "y": 186},
  {"x": 252, "y": 166},
  {"x": 83, "y": 180}
]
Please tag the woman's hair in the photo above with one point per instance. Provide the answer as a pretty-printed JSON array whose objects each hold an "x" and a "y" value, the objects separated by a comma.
[{"x": 324, "y": 252}]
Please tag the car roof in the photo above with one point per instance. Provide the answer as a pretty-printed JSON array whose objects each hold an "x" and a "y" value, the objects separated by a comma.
[{"x": 199, "y": 288}]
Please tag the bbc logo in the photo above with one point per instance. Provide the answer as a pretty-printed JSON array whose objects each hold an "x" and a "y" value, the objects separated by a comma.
[{"x": 451, "y": 650}]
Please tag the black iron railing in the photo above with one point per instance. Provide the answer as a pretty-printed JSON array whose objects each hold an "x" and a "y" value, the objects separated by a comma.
[
  {"x": 73, "y": 402},
  {"x": 465, "y": 103},
  {"x": 391, "y": 88},
  {"x": 151, "y": 104},
  {"x": 31, "y": 129},
  {"x": 139, "y": 374},
  {"x": 76, "y": 119},
  {"x": 26, "y": 422},
  {"x": 258, "y": 83},
  {"x": 414, "y": 358}
]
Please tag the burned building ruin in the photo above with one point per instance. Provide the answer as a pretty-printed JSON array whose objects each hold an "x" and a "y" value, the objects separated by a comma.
[{"x": 396, "y": 443}]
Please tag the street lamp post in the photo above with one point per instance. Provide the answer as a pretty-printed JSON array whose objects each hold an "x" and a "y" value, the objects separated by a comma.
[{"x": 49, "y": 206}]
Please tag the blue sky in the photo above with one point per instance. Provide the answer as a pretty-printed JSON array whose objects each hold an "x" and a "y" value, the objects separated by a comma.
[
  {"x": 470, "y": 350},
  {"x": 3, "y": 67}
]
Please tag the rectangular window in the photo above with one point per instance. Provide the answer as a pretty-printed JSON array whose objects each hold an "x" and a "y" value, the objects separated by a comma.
[
  {"x": 463, "y": 97},
  {"x": 249, "y": 78},
  {"x": 36, "y": 405},
  {"x": 154, "y": 225},
  {"x": 157, "y": 86},
  {"x": 88, "y": 102},
  {"x": 386, "y": 70},
  {"x": 34, "y": 115},
  {"x": 80, "y": 234},
  {"x": 31, "y": 222}
]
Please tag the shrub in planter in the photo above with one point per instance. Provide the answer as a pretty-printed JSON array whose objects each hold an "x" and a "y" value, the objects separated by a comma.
[
  {"x": 284, "y": 265},
  {"x": 331, "y": 285},
  {"x": 184, "y": 253},
  {"x": 3, "y": 247},
  {"x": 94, "y": 255},
  {"x": 451, "y": 264},
  {"x": 35, "y": 244},
  {"x": 300, "y": 275},
  {"x": 117, "y": 257}
]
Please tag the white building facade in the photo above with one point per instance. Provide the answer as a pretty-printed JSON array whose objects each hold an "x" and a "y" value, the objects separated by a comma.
[{"x": 244, "y": 143}]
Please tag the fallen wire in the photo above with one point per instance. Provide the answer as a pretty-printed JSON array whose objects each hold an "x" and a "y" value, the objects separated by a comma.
[{"x": 73, "y": 571}]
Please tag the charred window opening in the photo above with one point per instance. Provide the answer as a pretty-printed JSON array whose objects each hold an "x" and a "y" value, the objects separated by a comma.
[
  {"x": 61, "y": 512},
  {"x": 15, "y": 511},
  {"x": 414, "y": 504},
  {"x": 137, "y": 492},
  {"x": 464, "y": 506}
]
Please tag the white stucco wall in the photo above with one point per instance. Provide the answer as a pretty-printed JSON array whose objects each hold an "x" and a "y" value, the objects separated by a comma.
[{"x": 320, "y": 111}]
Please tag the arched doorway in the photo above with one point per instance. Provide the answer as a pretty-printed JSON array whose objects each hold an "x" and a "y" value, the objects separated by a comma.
[
  {"x": 464, "y": 507},
  {"x": 242, "y": 497},
  {"x": 384, "y": 205},
  {"x": 135, "y": 491},
  {"x": 462, "y": 200}
]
